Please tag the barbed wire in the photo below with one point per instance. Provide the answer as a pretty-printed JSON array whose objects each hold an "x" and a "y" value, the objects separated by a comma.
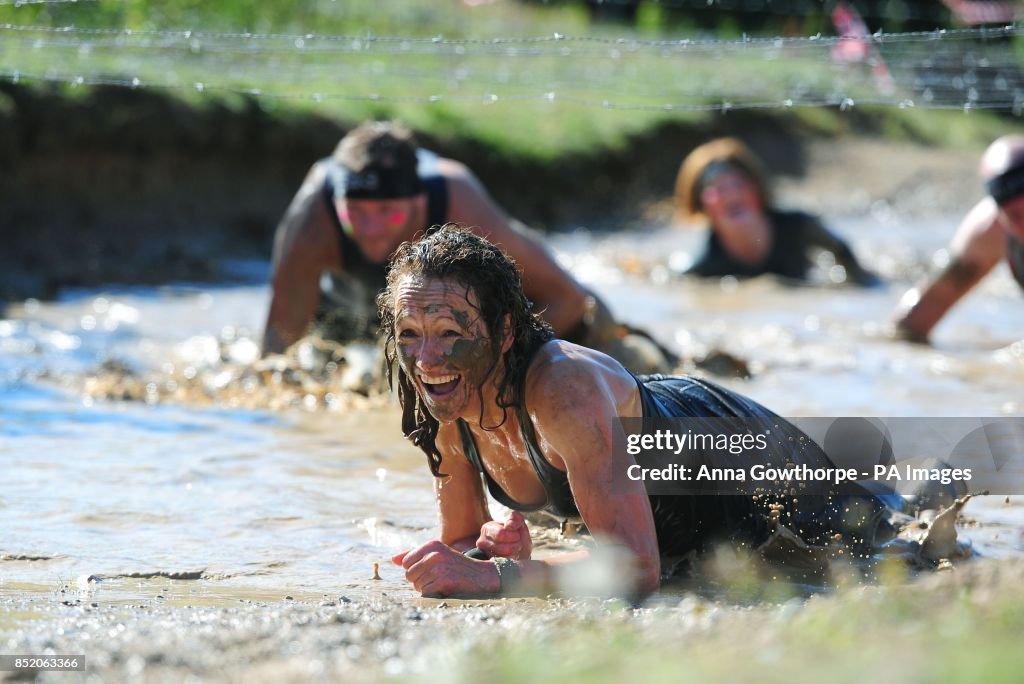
[
  {"x": 22, "y": 3},
  {"x": 634, "y": 81},
  {"x": 620, "y": 77},
  {"x": 362, "y": 42},
  {"x": 751, "y": 9},
  {"x": 198, "y": 47},
  {"x": 843, "y": 102},
  {"x": 802, "y": 8}
]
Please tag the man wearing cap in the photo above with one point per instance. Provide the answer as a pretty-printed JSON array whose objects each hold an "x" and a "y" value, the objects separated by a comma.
[
  {"x": 378, "y": 190},
  {"x": 991, "y": 231}
]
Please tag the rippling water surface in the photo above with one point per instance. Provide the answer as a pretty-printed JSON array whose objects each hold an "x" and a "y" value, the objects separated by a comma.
[{"x": 261, "y": 502}]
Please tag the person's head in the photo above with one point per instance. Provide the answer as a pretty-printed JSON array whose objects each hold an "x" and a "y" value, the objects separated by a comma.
[
  {"x": 378, "y": 194},
  {"x": 459, "y": 328},
  {"x": 720, "y": 181},
  {"x": 1002, "y": 169}
]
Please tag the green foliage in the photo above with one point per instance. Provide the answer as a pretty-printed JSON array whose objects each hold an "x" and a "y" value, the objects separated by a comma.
[
  {"x": 895, "y": 633},
  {"x": 549, "y": 99}
]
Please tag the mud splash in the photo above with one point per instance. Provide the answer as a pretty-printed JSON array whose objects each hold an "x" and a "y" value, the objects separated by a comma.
[{"x": 314, "y": 374}]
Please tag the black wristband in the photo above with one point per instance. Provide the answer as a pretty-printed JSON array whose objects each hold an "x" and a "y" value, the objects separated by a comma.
[
  {"x": 476, "y": 554},
  {"x": 509, "y": 575}
]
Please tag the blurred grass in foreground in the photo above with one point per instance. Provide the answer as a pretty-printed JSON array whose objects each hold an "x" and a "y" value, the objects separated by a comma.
[{"x": 964, "y": 625}]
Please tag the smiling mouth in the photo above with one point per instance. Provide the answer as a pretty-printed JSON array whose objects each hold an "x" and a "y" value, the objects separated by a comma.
[{"x": 441, "y": 385}]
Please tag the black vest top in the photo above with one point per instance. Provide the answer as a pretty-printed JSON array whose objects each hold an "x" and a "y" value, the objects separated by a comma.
[
  {"x": 1015, "y": 256},
  {"x": 560, "y": 500},
  {"x": 787, "y": 258}
]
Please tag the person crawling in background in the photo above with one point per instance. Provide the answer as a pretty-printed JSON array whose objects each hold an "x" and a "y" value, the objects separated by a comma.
[
  {"x": 378, "y": 190},
  {"x": 992, "y": 231},
  {"x": 722, "y": 182}
]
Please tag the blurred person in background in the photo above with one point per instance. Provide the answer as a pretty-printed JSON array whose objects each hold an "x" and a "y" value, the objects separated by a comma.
[
  {"x": 723, "y": 183},
  {"x": 380, "y": 189},
  {"x": 990, "y": 232}
]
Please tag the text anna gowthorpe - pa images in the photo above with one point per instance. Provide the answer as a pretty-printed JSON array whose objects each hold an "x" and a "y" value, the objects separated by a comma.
[{"x": 687, "y": 456}]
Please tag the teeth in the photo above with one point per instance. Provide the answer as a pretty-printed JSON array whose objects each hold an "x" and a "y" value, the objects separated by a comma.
[{"x": 438, "y": 380}]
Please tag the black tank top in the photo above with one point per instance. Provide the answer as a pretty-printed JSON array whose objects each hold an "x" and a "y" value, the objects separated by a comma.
[
  {"x": 560, "y": 500},
  {"x": 348, "y": 299},
  {"x": 788, "y": 256},
  {"x": 1015, "y": 256},
  {"x": 686, "y": 523}
]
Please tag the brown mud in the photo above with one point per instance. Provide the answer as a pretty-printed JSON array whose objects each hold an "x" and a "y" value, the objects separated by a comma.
[{"x": 116, "y": 185}]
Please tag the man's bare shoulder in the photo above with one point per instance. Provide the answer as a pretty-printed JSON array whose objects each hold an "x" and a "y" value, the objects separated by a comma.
[
  {"x": 452, "y": 169},
  {"x": 980, "y": 238},
  {"x": 307, "y": 223},
  {"x": 464, "y": 189}
]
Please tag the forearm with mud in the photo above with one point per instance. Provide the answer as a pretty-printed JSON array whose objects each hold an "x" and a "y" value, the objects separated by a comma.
[
  {"x": 925, "y": 305},
  {"x": 540, "y": 577},
  {"x": 272, "y": 343},
  {"x": 549, "y": 575}
]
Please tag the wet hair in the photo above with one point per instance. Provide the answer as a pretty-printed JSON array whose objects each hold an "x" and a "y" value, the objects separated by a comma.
[
  {"x": 376, "y": 160},
  {"x": 706, "y": 161},
  {"x": 458, "y": 256}
]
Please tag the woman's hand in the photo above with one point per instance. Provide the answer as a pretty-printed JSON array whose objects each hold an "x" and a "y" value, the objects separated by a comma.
[
  {"x": 436, "y": 569},
  {"x": 508, "y": 539}
]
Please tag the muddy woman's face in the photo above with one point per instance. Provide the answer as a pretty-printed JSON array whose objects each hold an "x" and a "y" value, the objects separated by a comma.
[
  {"x": 443, "y": 345},
  {"x": 730, "y": 197}
]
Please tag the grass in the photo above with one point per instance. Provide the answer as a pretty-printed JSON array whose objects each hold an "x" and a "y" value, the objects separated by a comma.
[
  {"x": 534, "y": 101},
  {"x": 947, "y": 632}
]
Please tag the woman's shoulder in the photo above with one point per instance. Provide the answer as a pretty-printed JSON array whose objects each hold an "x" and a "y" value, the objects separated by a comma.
[{"x": 566, "y": 374}]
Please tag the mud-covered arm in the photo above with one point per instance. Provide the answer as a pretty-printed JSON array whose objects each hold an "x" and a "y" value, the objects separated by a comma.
[
  {"x": 979, "y": 244},
  {"x": 554, "y": 291},
  {"x": 461, "y": 503},
  {"x": 305, "y": 245},
  {"x": 574, "y": 415},
  {"x": 439, "y": 567},
  {"x": 820, "y": 236}
]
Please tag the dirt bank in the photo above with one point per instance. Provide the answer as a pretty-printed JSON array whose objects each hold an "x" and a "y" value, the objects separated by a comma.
[{"x": 125, "y": 186}]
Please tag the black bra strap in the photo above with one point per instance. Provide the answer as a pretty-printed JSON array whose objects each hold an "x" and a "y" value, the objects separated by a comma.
[{"x": 473, "y": 456}]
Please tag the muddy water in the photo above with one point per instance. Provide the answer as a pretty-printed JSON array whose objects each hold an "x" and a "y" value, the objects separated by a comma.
[{"x": 206, "y": 502}]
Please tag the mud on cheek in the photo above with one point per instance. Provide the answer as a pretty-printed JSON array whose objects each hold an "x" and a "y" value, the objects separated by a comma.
[
  {"x": 405, "y": 360},
  {"x": 472, "y": 357}
]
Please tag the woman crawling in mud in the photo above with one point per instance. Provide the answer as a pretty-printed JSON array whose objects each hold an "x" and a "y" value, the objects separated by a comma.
[{"x": 487, "y": 390}]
